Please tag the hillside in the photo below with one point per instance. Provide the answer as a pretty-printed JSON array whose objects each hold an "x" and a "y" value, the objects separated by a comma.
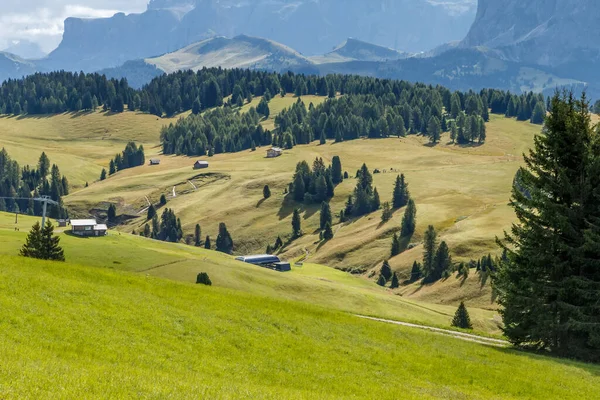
[
  {"x": 12, "y": 66},
  {"x": 239, "y": 52},
  {"x": 357, "y": 50},
  {"x": 165, "y": 339},
  {"x": 312, "y": 283},
  {"x": 463, "y": 191}
]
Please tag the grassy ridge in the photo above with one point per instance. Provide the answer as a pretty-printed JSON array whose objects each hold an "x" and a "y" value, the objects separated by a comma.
[
  {"x": 462, "y": 191},
  {"x": 314, "y": 284},
  {"x": 67, "y": 330}
]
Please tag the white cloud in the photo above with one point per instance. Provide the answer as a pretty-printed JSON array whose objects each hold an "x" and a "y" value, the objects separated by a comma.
[{"x": 42, "y": 21}]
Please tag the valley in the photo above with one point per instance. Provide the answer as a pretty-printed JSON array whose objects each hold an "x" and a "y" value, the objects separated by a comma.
[{"x": 462, "y": 190}]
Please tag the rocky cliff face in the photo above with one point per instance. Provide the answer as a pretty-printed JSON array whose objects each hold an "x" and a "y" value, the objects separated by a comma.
[
  {"x": 309, "y": 26},
  {"x": 543, "y": 32}
]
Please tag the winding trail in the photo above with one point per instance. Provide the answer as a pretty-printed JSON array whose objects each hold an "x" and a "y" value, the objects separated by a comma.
[{"x": 446, "y": 332}]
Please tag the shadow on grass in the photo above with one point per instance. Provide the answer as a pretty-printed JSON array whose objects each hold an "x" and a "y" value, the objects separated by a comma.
[
  {"x": 289, "y": 205},
  {"x": 541, "y": 355},
  {"x": 260, "y": 202}
]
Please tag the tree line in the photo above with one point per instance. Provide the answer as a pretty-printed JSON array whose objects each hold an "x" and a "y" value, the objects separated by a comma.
[
  {"x": 28, "y": 183},
  {"x": 131, "y": 156},
  {"x": 377, "y": 109}
]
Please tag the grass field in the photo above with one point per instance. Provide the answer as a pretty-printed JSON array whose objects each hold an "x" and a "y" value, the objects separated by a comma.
[
  {"x": 462, "y": 191},
  {"x": 68, "y": 331},
  {"x": 311, "y": 283}
]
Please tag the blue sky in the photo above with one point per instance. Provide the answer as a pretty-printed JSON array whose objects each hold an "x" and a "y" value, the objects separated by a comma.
[{"x": 41, "y": 21}]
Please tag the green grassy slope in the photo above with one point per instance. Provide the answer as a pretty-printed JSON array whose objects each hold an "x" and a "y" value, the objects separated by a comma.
[
  {"x": 462, "y": 191},
  {"x": 68, "y": 331},
  {"x": 311, "y": 283}
]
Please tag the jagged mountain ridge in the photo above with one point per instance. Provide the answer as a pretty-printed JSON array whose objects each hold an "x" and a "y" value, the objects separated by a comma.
[
  {"x": 542, "y": 32},
  {"x": 308, "y": 26}
]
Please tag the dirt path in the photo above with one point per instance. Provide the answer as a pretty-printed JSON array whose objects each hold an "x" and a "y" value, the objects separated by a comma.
[
  {"x": 194, "y": 186},
  {"x": 446, "y": 332},
  {"x": 174, "y": 194}
]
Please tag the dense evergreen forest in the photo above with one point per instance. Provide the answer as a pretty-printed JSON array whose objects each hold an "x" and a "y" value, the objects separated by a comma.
[
  {"x": 357, "y": 107},
  {"x": 27, "y": 183}
]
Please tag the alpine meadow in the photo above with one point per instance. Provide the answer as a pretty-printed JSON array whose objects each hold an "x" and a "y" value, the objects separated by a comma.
[{"x": 210, "y": 212}]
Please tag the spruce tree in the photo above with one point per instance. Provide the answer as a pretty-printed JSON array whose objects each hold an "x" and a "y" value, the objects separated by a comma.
[
  {"x": 328, "y": 232},
  {"x": 386, "y": 270},
  {"x": 386, "y": 214},
  {"x": 429, "y": 250},
  {"x": 461, "y": 318},
  {"x": 296, "y": 224},
  {"x": 111, "y": 213},
  {"x": 381, "y": 281},
  {"x": 395, "y": 281},
  {"x": 376, "y": 202},
  {"x": 442, "y": 263},
  {"x": 207, "y": 243},
  {"x": 103, "y": 174},
  {"x": 33, "y": 243},
  {"x": 163, "y": 200},
  {"x": 203, "y": 279},
  {"x": 395, "y": 246},
  {"x": 224, "y": 243},
  {"x": 400, "y": 194},
  {"x": 409, "y": 221},
  {"x": 151, "y": 212},
  {"x": 325, "y": 216},
  {"x": 549, "y": 280},
  {"x": 197, "y": 236},
  {"x": 266, "y": 192},
  {"x": 42, "y": 244},
  {"x": 336, "y": 170},
  {"x": 416, "y": 272},
  {"x": 434, "y": 130}
]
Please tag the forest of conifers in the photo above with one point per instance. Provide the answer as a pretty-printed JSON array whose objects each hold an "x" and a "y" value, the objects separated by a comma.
[{"x": 357, "y": 107}]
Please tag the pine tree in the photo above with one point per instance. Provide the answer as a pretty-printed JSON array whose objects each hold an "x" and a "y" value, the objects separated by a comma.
[
  {"x": 386, "y": 270},
  {"x": 203, "y": 279},
  {"x": 322, "y": 139},
  {"x": 207, "y": 243},
  {"x": 33, "y": 243},
  {"x": 325, "y": 216},
  {"x": 112, "y": 168},
  {"x": 103, "y": 174},
  {"x": 416, "y": 272},
  {"x": 461, "y": 318},
  {"x": 549, "y": 279},
  {"x": 396, "y": 247},
  {"x": 336, "y": 170},
  {"x": 328, "y": 232},
  {"x": 42, "y": 244},
  {"x": 429, "y": 250},
  {"x": 409, "y": 221},
  {"x": 163, "y": 200},
  {"x": 266, "y": 192},
  {"x": 197, "y": 236},
  {"x": 151, "y": 212},
  {"x": 442, "y": 264},
  {"x": 395, "y": 281},
  {"x": 400, "y": 194},
  {"x": 111, "y": 213},
  {"x": 386, "y": 214},
  {"x": 381, "y": 281},
  {"x": 224, "y": 243},
  {"x": 434, "y": 130},
  {"x": 296, "y": 224},
  {"x": 376, "y": 203}
]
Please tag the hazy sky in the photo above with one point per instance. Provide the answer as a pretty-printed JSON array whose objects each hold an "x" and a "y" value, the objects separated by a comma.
[{"x": 41, "y": 21}]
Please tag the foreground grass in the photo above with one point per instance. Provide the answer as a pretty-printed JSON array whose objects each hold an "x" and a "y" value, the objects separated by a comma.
[
  {"x": 68, "y": 331},
  {"x": 312, "y": 283}
]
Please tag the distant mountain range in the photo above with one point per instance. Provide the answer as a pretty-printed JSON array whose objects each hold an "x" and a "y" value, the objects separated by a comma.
[
  {"x": 539, "y": 46},
  {"x": 312, "y": 27},
  {"x": 26, "y": 49}
]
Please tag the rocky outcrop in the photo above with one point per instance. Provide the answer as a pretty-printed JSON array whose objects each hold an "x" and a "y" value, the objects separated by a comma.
[
  {"x": 551, "y": 33},
  {"x": 12, "y": 66}
]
